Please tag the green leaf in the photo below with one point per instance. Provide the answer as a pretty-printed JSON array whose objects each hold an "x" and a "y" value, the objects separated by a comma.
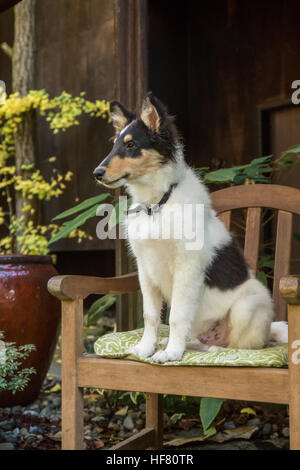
[
  {"x": 267, "y": 262},
  {"x": 239, "y": 179},
  {"x": 295, "y": 149},
  {"x": 176, "y": 417},
  {"x": 261, "y": 160},
  {"x": 83, "y": 205},
  {"x": 75, "y": 223},
  {"x": 98, "y": 308},
  {"x": 262, "y": 278},
  {"x": 134, "y": 397},
  {"x": 210, "y": 432},
  {"x": 117, "y": 214},
  {"x": 221, "y": 176},
  {"x": 209, "y": 409}
]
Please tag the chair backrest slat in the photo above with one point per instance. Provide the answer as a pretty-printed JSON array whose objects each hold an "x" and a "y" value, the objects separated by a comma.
[
  {"x": 226, "y": 218},
  {"x": 252, "y": 236},
  {"x": 282, "y": 259}
]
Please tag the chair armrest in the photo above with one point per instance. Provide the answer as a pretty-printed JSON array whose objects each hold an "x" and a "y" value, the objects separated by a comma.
[
  {"x": 79, "y": 287},
  {"x": 289, "y": 288}
]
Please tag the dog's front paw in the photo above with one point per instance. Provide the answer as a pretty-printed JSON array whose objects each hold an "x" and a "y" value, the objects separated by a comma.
[
  {"x": 143, "y": 350},
  {"x": 167, "y": 356}
]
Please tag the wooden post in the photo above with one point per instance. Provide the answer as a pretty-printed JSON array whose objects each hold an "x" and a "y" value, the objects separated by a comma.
[
  {"x": 72, "y": 396},
  {"x": 294, "y": 375},
  {"x": 155, "y": 417}
]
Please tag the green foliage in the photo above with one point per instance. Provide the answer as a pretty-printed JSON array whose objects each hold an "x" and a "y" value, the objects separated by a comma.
[
  {"x": 25, "y": 233},
  {"x": 12, "y": 376},
  {"x": 97, "y": 309},
  {"x": 209, "y": 410},
  {"x": 258, "y": 170},
  {"x": 255, "y": 171}
]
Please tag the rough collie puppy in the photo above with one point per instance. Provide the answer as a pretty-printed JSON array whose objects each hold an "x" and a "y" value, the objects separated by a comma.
[{"x": 205, "y": 284}]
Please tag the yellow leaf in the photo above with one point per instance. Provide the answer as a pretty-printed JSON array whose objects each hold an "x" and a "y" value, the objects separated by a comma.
[
  {"x": 55, "y": 388},
  {"x": 122, "y": 411},
  {"x": 249, "y": 411}
]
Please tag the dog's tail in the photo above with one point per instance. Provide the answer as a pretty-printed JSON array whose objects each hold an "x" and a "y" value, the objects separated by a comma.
[{"x": 279, "y": 332}]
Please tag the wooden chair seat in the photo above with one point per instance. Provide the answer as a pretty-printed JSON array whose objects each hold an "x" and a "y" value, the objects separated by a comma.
[{"x": 272, "y": 385}]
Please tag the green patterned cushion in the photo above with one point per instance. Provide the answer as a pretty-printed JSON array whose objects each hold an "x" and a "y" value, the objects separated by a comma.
[{"x": 118, "y": 345}]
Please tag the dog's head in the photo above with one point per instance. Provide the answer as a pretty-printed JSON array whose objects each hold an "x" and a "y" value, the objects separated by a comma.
[{"x": 142, "y": 144}]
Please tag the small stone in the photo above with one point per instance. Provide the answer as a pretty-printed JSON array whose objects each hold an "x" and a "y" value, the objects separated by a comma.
[
  {"x": 267, "y": 429},
  {"x": 128, "y": 423},
  {"x": 285, "y": 432},
  {"x": 9, "y": 437},
  {"x": 140, "y": 424},
  {"x": 229, "y": 425},
  {"x": 32, "y": 413},
  {"x": 6, "y": 446},
  {"x": 57, "y": 435},
  {"x": 254, "y": 422},
  {"x": 142, "y": 407},
  {"x": 16, "y": 408},
  {"x": 24, "y": 432},
  {"x": 7, "y": 425},
  {"x": 274, "y": 427},
  {"x": 56, "y": 402},
  {"x": 35, "y": 407},
  {"x": 35, "y": 430},
  {"x": 97, "y": 419}
]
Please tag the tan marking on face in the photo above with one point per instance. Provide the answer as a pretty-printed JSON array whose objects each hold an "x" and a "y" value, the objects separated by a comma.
[
  {"x": 148, "y": 162},
  {"x": 127, "y": 138}
]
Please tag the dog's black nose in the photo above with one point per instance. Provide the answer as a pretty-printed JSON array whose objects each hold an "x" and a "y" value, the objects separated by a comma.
[{"x": 99, "y": 173}]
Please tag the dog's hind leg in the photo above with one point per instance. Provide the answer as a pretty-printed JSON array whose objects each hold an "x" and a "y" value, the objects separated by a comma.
[{"x": 250, "y": 317}]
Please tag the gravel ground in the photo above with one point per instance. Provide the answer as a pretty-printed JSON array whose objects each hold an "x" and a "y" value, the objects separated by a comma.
[{"x": 110, "y": 418}]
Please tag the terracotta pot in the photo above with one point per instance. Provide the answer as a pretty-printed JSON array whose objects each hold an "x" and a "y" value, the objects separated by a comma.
[{"x": 28, "y": 315}]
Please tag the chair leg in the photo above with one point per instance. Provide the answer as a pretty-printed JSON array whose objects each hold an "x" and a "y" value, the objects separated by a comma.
[
  {"x": 294, "y": 375},
  {"x": 154, "y": 417},
  {"x": 72, "y": 395}
]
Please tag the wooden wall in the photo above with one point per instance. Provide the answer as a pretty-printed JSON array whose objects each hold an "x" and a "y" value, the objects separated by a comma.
[
  {"x": 215, "y": 63},
  {"x": 76, "y": 51}
]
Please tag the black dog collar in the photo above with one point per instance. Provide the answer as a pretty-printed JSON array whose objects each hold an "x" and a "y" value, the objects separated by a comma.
[{"x": 155, "y": 207}]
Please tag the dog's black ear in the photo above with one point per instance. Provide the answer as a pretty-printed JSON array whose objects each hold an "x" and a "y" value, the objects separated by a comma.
[
  {"x": 120, "y": 116},
  {"x": 153, "y": 112}
]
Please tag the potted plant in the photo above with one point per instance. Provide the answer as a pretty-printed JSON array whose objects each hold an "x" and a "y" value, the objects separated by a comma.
[{"x": 28, "y": 313}]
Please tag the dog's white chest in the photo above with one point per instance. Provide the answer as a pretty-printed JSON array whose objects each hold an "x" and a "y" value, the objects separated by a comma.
[{"x": 156, "y": 254}]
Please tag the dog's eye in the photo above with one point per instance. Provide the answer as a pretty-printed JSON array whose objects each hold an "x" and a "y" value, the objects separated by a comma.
[{"x": 130, "y": 144}]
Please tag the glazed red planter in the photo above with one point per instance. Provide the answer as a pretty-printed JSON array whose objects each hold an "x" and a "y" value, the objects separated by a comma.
[{"x": 28, "y": 315}]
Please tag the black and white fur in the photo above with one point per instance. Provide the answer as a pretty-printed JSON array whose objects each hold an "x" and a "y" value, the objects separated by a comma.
[{"x": 202, "y": 287}]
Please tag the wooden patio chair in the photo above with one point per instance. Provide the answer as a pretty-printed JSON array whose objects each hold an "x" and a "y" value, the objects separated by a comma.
[{"x": 260, "y": 384}]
